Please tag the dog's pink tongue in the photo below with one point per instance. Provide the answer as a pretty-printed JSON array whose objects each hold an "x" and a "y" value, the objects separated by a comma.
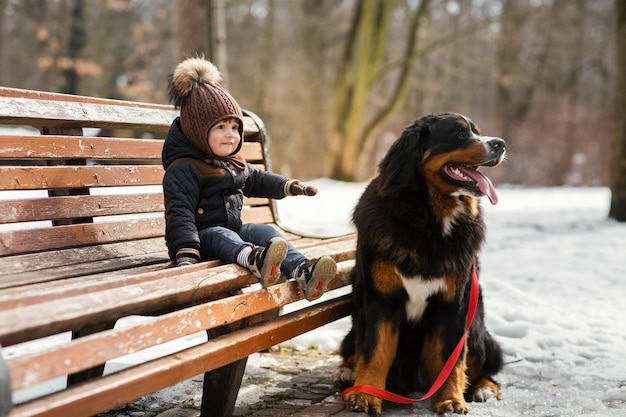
[{"x": 484, "y": 184}]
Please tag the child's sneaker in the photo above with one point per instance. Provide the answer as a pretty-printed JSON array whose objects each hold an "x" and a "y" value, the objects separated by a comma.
[
  {"x": 314, "y": 277},
  {"x": 265, "y": 261}
]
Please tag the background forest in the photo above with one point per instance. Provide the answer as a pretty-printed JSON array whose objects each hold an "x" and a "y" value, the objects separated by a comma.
[{"x": 336, "y": 81}]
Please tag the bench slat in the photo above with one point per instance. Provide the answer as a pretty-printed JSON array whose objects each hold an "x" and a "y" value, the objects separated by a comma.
[
  {"x": 67, "y": 207},
  {"x": 96, "y": 349},
  {"x": 57, "y": 177},
  {"x": 66, "y": 263},
  {"x": 73, "y": 312},
  {"x": 102, "y": 148},
  {"x": 60, "y": 147},
  {"x": 342, "y": 249},
  {"x": 24, "y": 107},
  {"x": 51, "y": 238},
  {"x": 26, "y": 111},
  {"x": 145, "y": 293},
  {"x": 95, "y": 396}
]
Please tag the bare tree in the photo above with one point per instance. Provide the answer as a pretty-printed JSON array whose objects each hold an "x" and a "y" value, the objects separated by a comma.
[
  {"x": 358, "y": 72},
  {"x": 190, "y": 27},
  {"x": 217, "y": 36},
  {"x": 618, "y": 163},
  {"x": 76, "y": 43}
]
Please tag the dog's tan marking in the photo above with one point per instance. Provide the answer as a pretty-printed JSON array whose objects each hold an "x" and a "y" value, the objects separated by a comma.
[
  {"x": 386, "y": 279},
  {"x": 449, "y": 398},
  {"x": 375, "y": 371},
  {"x": 472, "y": 205},
  {"x": 449, "y": 291}
]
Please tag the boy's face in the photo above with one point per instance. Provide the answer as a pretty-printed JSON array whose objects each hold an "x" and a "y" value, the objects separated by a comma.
[{"x": 224, "y": 137}]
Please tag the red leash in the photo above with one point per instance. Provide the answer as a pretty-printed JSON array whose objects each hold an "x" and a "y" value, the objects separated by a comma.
[{"x": 447, "y": 367}]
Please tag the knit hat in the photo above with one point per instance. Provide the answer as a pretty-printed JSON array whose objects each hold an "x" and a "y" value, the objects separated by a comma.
[{"x": 194, "y": 87}]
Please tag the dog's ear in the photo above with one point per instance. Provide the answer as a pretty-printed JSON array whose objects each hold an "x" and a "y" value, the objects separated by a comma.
[{"x": 398, "y": 169}]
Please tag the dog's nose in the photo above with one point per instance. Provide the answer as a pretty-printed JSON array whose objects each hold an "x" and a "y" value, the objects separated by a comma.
[
  {"x": 495, "y": 147},
  {"x": 496, "y": 143}
]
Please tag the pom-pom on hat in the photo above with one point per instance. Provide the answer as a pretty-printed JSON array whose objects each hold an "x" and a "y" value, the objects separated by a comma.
[{"x": 194, "y": 87}]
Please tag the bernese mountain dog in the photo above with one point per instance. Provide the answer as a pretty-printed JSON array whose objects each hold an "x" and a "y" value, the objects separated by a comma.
[{"x": 420, "y": 231}]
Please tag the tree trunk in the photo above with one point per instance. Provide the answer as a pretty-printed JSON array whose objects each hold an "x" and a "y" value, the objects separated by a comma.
[
  {"x": 217, "y": 28},
  {"x": 77, "y": 41},
  {"x": 359, "y": 71},
  {"x": 190, "y": 25},
  {"x": 265, "y": 60},
  {"x": 618, "y": 162}
]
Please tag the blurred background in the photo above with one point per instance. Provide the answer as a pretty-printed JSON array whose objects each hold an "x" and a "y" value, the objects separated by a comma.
[{"x": 336, "y": 81}]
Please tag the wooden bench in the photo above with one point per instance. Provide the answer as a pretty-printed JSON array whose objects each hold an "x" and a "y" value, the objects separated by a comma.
[{"x": 81, "y": 246}]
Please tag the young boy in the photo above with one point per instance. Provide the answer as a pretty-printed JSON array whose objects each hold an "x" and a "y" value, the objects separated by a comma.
[{"x": 205, "y": 182}]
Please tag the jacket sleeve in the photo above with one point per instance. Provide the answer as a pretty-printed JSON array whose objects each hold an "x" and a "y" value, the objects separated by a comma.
[
  {"x": 181, "y": 190},
  {"x": 265, "y": 184}
]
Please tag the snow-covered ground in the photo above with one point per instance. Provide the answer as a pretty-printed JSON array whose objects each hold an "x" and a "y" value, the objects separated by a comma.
[{"x": 553, "y": 278}]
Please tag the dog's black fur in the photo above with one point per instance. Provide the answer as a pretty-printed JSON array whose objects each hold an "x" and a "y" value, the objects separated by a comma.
[{"x": 420, "y": 230}]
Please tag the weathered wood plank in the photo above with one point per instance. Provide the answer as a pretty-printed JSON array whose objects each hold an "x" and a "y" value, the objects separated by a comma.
[
  {"x": 96, "y": 396},
  {"x": 96, "y": 349},
  {"x": 14, "y": 242},
  {"x": 19, "y": 287},
  {"x": 146, "y": 294},
  {"x": 62, "y": 207},
  {"x": 27, "y": 111},
  {"x": 35, "y": 266},
  {"x": 36, "y": 292},
  {"x": 64, "y": 147},
  {"x": 24, "y": 107},
  {"x": 190, "y": 286},
  {"x": 54, "y": 177},
  {"x": 23, "y": 241},
  {"x": 98, "y": 148}
]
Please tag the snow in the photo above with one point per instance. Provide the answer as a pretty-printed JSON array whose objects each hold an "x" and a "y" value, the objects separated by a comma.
[{"x": 552, "y": 275}]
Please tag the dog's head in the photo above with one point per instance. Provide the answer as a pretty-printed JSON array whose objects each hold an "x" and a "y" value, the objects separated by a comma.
[{"x": 444, "y": 152}]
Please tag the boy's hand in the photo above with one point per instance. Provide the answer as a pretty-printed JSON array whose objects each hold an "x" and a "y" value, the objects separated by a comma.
[
  {"x": 295, "y": 187},
  {"x": 186, "y": 256}
]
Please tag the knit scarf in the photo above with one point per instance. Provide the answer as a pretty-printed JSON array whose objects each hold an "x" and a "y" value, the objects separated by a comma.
[{"x": 229, "y": 160}]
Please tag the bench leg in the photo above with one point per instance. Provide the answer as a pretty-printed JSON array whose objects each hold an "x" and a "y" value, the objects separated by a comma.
[
  {"x": 221, "y": 386},
  {"x": 6, "y": 402},
  {"x": 220, "y": 389},
  {"x": 96, "y": 371}
]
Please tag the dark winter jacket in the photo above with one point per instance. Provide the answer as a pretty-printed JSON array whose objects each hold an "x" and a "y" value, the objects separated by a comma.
[{"x": 200, "y": 194}]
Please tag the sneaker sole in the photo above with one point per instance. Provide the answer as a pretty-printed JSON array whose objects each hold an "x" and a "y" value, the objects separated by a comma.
[
  {"x": 276, "y": 253},
  {"x": 325, "y": 270}
]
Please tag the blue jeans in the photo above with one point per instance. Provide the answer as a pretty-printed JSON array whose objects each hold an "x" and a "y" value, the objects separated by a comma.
[{"x": 222, "y": 243}]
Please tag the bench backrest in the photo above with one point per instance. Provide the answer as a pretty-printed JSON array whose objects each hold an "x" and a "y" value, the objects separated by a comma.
[{"x": 90, "y": 171}]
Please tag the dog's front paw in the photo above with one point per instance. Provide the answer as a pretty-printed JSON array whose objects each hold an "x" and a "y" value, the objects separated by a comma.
[
  {"x": 450, "y": 406},
  {"x": 483, "y": 390},
  {"x": 357, "y": 401},
  {"x": 343, "y": 377}
]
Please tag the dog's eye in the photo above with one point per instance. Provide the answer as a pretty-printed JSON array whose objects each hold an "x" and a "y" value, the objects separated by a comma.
[{"x": 462, "y": 135}]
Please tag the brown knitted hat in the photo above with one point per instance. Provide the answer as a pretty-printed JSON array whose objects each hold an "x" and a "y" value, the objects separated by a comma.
[{"x": 194, "y": 87}]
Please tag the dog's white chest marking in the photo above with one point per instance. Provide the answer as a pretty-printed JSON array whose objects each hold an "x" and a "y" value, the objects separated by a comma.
[{"x": 419, "y": 290}]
